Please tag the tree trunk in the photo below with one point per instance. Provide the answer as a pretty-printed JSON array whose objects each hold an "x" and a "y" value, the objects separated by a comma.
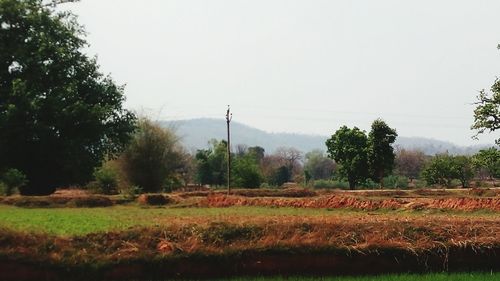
[{"x": 352, "y": 184}]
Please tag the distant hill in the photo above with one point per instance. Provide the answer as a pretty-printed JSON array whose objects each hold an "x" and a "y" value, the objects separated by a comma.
[{"x": 196, "y": 133}]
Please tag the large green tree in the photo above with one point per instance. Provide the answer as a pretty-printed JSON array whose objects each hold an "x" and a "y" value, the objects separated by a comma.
[
  {"x": 487, "y": 112},
  {"x": 489, "y": 161},
  {"x": 443, "y": 168},
  {"x": 349, "y": 148},
  {"x": 380, "y": 152},
  {"x": 59, "y": 116},
  {"x": 246, "y": 171},
  {"x": 212, "y": 164}
]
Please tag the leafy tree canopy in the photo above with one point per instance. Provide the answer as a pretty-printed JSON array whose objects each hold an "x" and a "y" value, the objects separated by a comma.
[
  {"x": 487, "y": 112},
  {"x": 348, "y": 147},
  {"x": 59, "y": 116},
  {"x": 489, "y": 160},
  {"x": 153, "y": 158},
  {"x": 381, "y": 153}
]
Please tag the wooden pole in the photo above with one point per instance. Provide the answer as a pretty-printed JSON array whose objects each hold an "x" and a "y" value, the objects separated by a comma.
[{"x": 229, "y": 117}]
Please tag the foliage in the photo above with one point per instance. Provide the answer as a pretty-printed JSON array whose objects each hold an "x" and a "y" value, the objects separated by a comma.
[
  {"x": 409, "y": 163},
  {"x": 106, "y": 179},
  {"x": 328, "y": 184},
  {"x": 348, "y": 147},
  {"x": 59, "y": 116},
  {"x": 257, "y": 152},
  {"x": 211, "y": 164},
  {"x": 13, "y": 179},
  {"x": 369, "y": 184},
  {"x": 318, "y": 165},
  {"x": 4, "y": 191},
  {"x": 463, "y": 169},
  {"x": 394, "y": 181},
  {"x": 381, "y": 153},
  {"x": 153, "y": 157},
  {"x": 131, "y": 192},
  {"x": 444, "y": 168},
  {"x": 246, "y": 172},
  {"x": 487, "y": 112},
  {"x": 489, "y": 160},
  {"x": 281, "y": 176}
]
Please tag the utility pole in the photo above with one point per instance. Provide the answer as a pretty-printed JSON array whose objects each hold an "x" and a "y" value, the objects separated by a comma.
[{"x": 229, "y": 117}]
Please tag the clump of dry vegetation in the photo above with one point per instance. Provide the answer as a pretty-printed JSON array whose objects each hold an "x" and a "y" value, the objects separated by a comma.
[{"x": 335, "y": 201}]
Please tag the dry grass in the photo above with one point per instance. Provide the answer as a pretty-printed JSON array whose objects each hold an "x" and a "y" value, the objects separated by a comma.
[
  {"x": 335, "y": 201},
  {"x": 197, "y": 235}
]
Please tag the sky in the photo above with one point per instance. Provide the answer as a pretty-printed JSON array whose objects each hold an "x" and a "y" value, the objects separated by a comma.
[{"x": 306, "y": 66}]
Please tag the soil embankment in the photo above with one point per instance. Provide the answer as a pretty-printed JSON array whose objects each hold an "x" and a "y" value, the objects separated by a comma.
[
  {"x": 342, "y": 201},
  {"x": 298, "y": 246},
  {"x": 271, "y": 263}
]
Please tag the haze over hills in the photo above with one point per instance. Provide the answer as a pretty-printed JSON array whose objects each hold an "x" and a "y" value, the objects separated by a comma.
[{"x": 196, "y": 133}]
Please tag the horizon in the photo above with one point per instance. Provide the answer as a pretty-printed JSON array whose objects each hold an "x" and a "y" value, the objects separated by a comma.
[{"x": 223, "y": 121}]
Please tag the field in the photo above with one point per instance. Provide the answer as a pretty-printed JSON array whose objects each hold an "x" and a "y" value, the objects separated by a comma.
[{"x": 256, "y": 233}]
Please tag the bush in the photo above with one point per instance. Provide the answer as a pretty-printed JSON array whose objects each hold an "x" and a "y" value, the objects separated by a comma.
[
  {"x": 106, "y": 180},
  {"x": 395, "y": 182},
  {"x": 153, "y": 157},
  {"x": 3, "y": 189},
  {"x": 13, "y": 179},
  {"x": 154, "y": 199},
  {"x": 327, "y": 184},
  {"x": 369, "y": 184},
  {"x": 131, "y": 192}
]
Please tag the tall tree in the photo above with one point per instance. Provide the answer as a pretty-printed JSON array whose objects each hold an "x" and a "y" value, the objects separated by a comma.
[
  {"x": 348, "y": 147},
  {"x": 489, "y": 161},
  {"x": 154, "y": 157},
  {"x": 487, "y": 112},
  {"x": 246, "y": 171},
  {"x": 381, "y": 153},
  {"x": 59, "y": 116},
  {"x": 409, "y": 163},
  {"x": 318, "y": 165},
  {"x": 212, "y": 164}
]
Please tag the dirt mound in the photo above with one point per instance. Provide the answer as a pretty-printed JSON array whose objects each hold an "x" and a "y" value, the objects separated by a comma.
[
  {"x": 335, "y": 201},
  {"x": 288, "y": 193},
  {"x": 58, "y": 201},
  {"x": 465, "y": 204}
]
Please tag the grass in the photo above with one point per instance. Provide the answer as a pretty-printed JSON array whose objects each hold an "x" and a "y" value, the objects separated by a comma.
[
  {"x": 81, "y": 221},
  {"x": 403, "y": 277}
]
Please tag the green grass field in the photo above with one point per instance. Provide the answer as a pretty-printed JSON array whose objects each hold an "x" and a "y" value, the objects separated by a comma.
[
  {"x": 81, "y": 221},
  {"x": 404, "y": 277}
]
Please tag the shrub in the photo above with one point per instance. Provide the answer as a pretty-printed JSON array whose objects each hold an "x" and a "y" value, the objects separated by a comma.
[
  {"x": 13, "y": 179},
  {"x": 369, "y": 184},
  {"x": 3, "y": 189},
  {"x": 154, "y": 199},
  {"x": 395, "y": 182},
  {"x": 153, "y": 157},
  {"x": 131, "y": 192},
  {"x": 106, "y": 180},
  {"x": 327, "y": 184}
]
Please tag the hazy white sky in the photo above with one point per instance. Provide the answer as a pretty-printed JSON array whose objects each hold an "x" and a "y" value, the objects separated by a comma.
[{"x": 302, "y": 66}]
